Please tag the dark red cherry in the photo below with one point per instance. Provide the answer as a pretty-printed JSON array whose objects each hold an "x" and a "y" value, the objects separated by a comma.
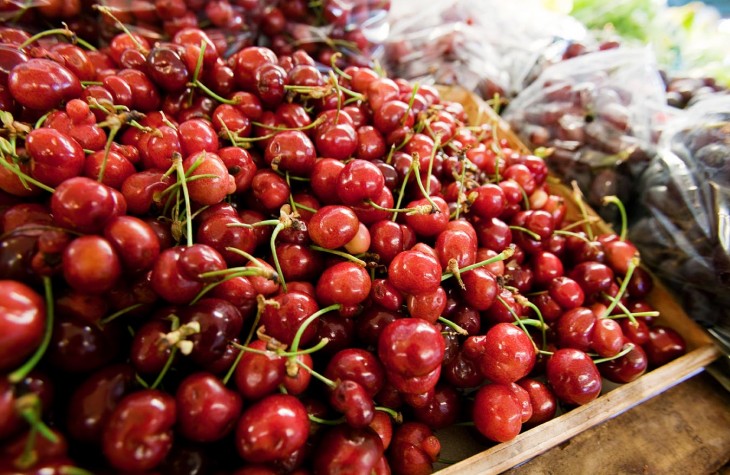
[{"x": 206, "y": 410}]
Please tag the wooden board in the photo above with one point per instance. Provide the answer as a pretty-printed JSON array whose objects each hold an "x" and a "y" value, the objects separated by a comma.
[{"x": 701, "y": 352}]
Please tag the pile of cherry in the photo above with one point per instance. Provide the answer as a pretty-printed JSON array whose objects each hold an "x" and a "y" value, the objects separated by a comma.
[{"x": 252, "y": 265}]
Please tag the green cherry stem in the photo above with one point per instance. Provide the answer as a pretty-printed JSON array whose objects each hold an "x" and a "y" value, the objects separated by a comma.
[
  {"x": 506, "y": 254},
  {"x": 115, "y": 315},
  {"x": 13, "y": 168},
  {"x": 19, "y": 374},
  {"x": 453, "y": 325},
  {"x": 633, "y": 263},
  {"x": 291, "y": 369},
  {"x": 177, "y": 161},
  {"x": 580, "y": 202},
  {"x": 627, "y": 349},
  {"x": 519, "y": 321},
  {"x": 335, "y": 252},
  {"x": 523, "y": 229},
  {"x": 401, "y": 194},
  {"x": 397, "y": 416},
  {"x": 423, "y": 189},
  {"x": 58, "y": 31},
  {"x": 326, "y": 422},
  {"x": 622, "y": 212}
]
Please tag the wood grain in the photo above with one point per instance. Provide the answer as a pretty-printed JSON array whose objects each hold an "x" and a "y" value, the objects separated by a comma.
[{"x": 686, "y": 430}]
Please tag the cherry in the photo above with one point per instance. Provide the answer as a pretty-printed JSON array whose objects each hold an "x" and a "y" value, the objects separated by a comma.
[
  {"x": 83, "y": 204},
  {"x": 42, "y": 84},
  {"x": 135, "y": 241},
  {"x": 272, "y": 429},
  {"x": 411, "y": 346},
  {"x": 94, "y": 400},
  {"x": 353, "y": 400},
  {"x": 626, "y": 368},
  {"x": 509, "y": 354},
  {"x": 219, "y": 322},
  {"x": 480, "y": 288},
  {"x": 90, "y": 264},
  {"x": 442, "y": 409},
  {"x": 542, "y": 401},
  {"x": 138, "y": 435},
  {"x": 637, "y": 333},
  {"x": 78, "y": 346},
  {"x": 665, "y": 344},
  {"x": 208, "y": 190},
  {"x": 414, "y": 272},
  {"x": 357, "y": 365},
  {"x": 291, "y": 151},
  {"x": 593, "y": 277},
  {"x": 575, "y": 328},
  {"x": 496, "y": 412},
  {"x": 619, "y": 254},
  {"x": 206, "y": 410},
  {"x": 283, "y": 318},
  {"x": 608, "y": 337},
  {"x": 413, "y": 449},
  {"x": 23, "y": 319},
  {"x": 359, "y": 181},
  {"x": 257, "y": 374},
  {"x": 566, "y": 292},
  {"x": 344, "y": 448},
  {"x": 344, "y": 283},
  {"x": 55, "y": 156},
  {"x": 427, "y": 305},
  {"x": 333, "y": 226},
  {"x": 430, "y": 224},
  {"x": 573, "y": 376}
]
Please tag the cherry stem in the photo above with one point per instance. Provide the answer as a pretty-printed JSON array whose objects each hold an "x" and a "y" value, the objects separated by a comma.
[
  {"x": 19, "y": 374},
  {"x": 581, "y": 222},
  {"x": 177, "y": 161},
  {"x": 335, "y": 68},
  {"x": 579, "y": 201},
  {"x": 108, "y": 12},
  {"x": 454, "y": 326},
  {"x": 630, "y": 315},
  {"x": 107, "y": 147},
  {"x": 345, "y": 255},
  {"x": 543, "y": 327},
  {"x": 328, "y": 382},
  {"x": 397, "y": 416},
  {"x": 57, "y": 31},
  {"x": 462, "y": 177},
  {"x": 13, "y": 168},
  {"x": 506, "y": 254},
  {"x": 401, "y": 193},
  {"x": 165, "y": 368},
  {"x": 71, "y": 470},
  {"x": 119, "y": 313},
  {"x": 308, "y": 321},
  {"x": 497, "y": 149},
  {"x": 275, "y": 256},
  {"x": 530, "y": 233},
  {"x": 199, "y": 61},
  {"x": 425, "y": 192},
  {"x": 519, "y": 321},
  {"x": 29, "y": 408},
  {"x": 624, "y": 284},
  {"x": 622, "y": 212},
  {"x": 416, "y": 87},
  {"x": 627, "y": 349},
  {"x": 436, "y": 146},
  {"x": 326, "y": 422},
  {"x": 408, "y": 211}
]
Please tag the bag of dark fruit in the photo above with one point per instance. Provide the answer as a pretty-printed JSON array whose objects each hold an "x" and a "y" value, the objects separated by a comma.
[
  {"x": 595, "y": 117},
  {"x": 683, "y": 230}
]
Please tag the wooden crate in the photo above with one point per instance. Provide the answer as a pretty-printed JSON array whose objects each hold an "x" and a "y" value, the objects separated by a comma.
[{"x": 701, "y": 351}]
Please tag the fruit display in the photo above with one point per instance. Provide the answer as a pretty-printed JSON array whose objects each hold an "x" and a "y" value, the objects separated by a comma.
[
  {"x": 251, "y": 261},
  {"x": 683, "y": 195}
]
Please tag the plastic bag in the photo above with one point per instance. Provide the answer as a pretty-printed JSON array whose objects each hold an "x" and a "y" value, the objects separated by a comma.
[
  {"x": 598, "y": 115},
  {"x": 683, "y": 232},
  {"x": 487, "y": 46}
]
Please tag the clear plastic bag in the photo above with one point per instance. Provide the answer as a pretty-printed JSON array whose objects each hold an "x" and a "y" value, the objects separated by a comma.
[
  {"x": 487, "y": 46},
  {"x": 683, "y": 231},
  {"x": 598, "y": 115}
]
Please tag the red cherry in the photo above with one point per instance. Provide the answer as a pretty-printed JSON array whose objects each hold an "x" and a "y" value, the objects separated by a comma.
[
  {"x": 206, "y": 410},
  {"x": 272, "y": 429},
  {"x": 665, "y": 344},
  {"x": 411, "y": 346},
  {"x": 138, "y": 435},
  {"x": 573, "y": 376},
  {"x": 497, "y": 414},
  {"x": 42, "y": 84},
  {"x": 509, "y": 354},
  {"x": 23, "y": 320}
]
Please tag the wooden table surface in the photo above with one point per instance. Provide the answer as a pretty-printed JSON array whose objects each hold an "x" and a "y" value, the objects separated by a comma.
[{"x": 684, "y": 430}]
